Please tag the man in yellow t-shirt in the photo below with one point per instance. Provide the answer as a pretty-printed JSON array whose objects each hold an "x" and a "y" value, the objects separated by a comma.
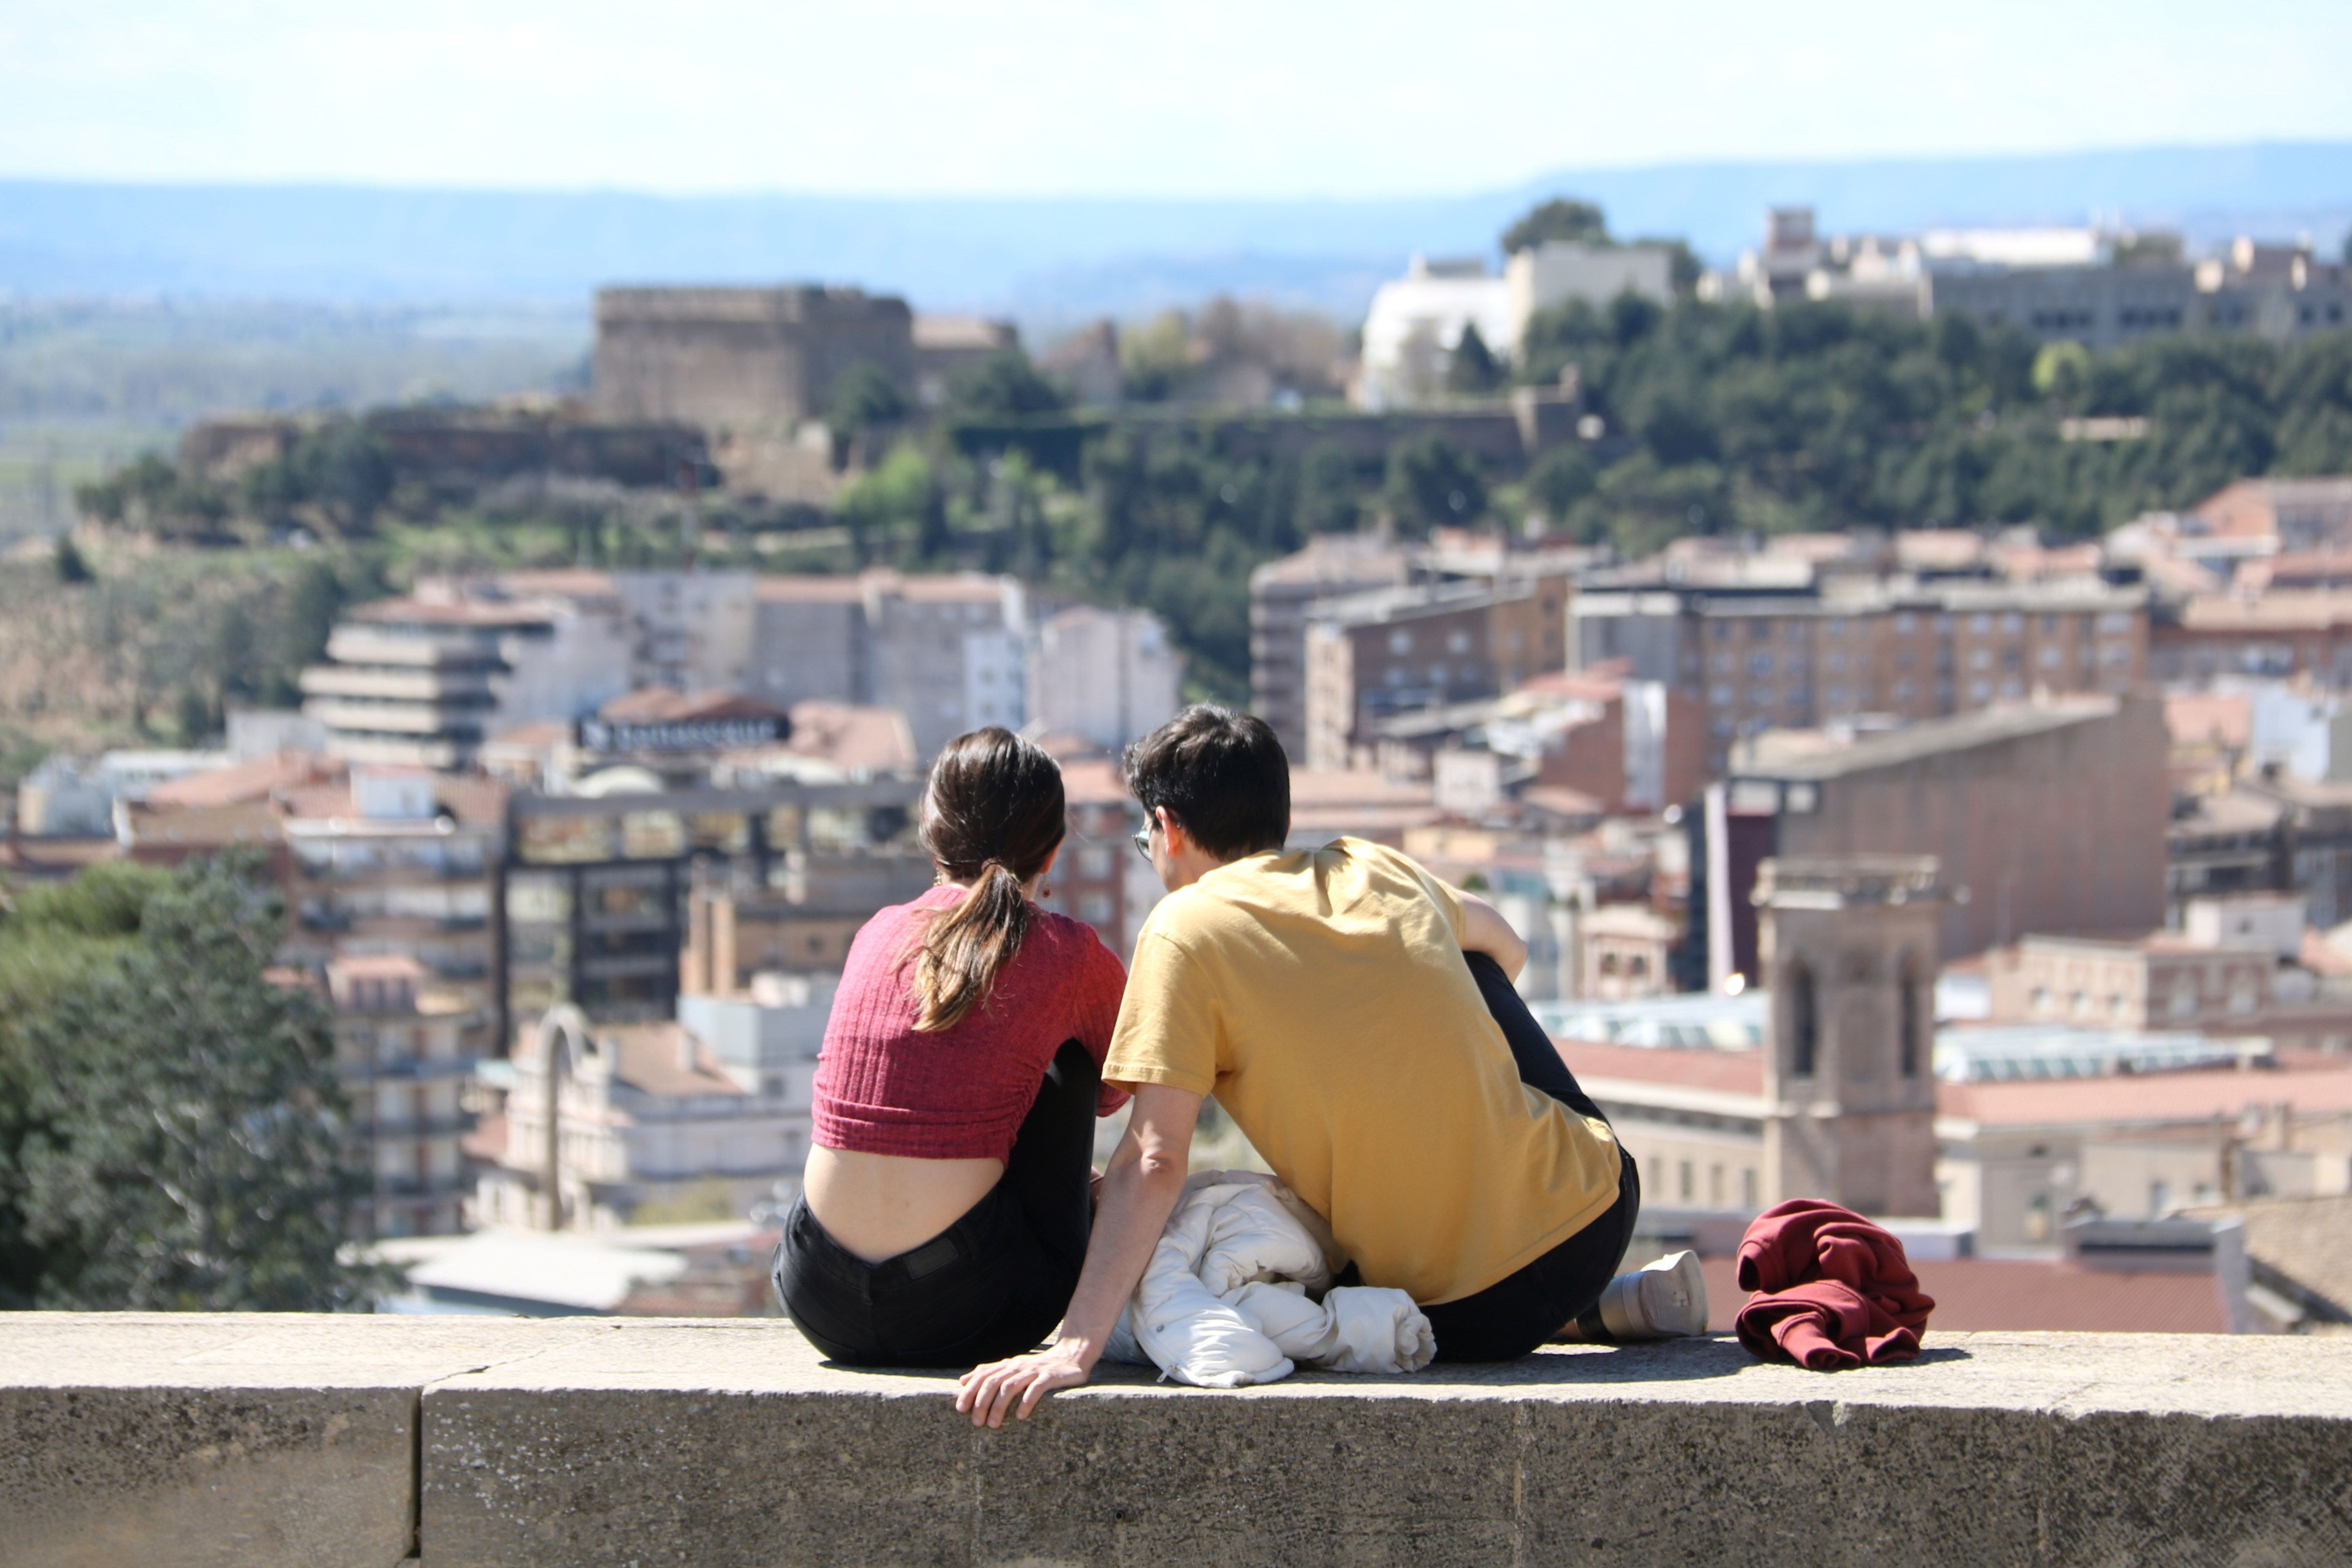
[{"x": 1355, "y": 1016}]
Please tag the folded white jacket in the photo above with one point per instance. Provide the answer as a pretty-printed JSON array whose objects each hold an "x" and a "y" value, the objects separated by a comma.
[{"x": 1224, "y": 1301}]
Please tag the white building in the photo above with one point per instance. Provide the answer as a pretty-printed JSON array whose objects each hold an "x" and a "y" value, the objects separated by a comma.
[
  {"x": 1416, "y": 321},
  {"x": 1542, "y": 276},
  {"x": 1110, "y": 676},
  {"x": 710, "y": 1109},
  {"x": 422, "y": 681}
]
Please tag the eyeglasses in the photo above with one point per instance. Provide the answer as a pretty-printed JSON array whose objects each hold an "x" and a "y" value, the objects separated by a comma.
[{"x": 1142, "y": 837}]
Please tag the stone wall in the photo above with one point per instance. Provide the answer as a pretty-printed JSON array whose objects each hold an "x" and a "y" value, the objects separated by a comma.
[
  {"x": 724, "y": 359},
  {"x": 257, "y": 1441}
]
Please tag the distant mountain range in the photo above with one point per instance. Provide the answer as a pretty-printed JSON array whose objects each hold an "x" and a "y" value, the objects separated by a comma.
[{"x": 1052, "y": 262}]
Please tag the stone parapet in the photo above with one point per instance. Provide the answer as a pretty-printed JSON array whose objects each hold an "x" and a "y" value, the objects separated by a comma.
[{"x": 328, "y": 1440}]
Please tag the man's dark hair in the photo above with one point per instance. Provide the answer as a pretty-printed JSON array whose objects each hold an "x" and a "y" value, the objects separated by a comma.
[{"x": 1221, "y": 773}]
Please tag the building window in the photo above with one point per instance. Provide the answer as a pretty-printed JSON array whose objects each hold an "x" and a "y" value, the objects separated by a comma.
[
  {"x": 1748, "y": 1188},
  {"x": 1804, "y": 1042},
  {"x": 1457, "y": 642},
  {"x": 1688, "y": 1180},
  {"x": 1400, "y": 642},
  {"x": 1910, "y": 1024}
]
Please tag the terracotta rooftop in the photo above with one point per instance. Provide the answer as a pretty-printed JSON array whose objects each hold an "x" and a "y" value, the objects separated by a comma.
[
  {"x": 660, "y": 705},
  {"x": 854, "y": 739},
  {"x": 241, "y": 782},
  {"x": 655, "y": 1059},
  {"x": 2312, "y": 1085},
  {"x": 1717, "y": 1071}
]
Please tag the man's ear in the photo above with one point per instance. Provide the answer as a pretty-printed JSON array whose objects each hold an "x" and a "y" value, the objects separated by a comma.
[{"x": 1171, "y": 832}]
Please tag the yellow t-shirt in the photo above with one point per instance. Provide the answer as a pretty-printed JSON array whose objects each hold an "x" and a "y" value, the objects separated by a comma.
[{"x": 1321, "y": 996}]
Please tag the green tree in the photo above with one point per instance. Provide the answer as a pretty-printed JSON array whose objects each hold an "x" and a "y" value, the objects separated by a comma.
[
  {"x": 193, "y": 716},
  {"x": 863, "y": 396},
  {"x": 1562, "y": 217},
  {"x": 1329, "y": 493},
  {"x": 71, "y": 566},
  {"x": 1433, "y": 483},
  {"x": 1472, "y": 369},
  {"x": 1559, "y": 478},
  {"x": 1002, "y": 387},
  {"x": 1155, "y": 359},
  {"x": 345, "y": 469},
  {"x": 187, "y": 1145},
  {"x": 897, "y": 512}
]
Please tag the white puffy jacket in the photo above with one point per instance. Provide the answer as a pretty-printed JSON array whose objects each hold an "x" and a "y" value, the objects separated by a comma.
[{"x": 1225, "y": 1300}]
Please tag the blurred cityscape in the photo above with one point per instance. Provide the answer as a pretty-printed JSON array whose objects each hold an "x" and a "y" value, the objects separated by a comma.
[{"x": 1900, "y": 684}]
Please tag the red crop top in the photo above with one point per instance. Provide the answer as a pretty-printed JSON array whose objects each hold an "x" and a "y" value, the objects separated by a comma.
[{"x": 961, "y": 1093}]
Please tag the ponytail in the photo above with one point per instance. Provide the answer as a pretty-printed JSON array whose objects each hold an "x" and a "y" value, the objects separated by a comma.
[
  {"x": 993, "y": 817},
  {"x": 964, "y": 949}
]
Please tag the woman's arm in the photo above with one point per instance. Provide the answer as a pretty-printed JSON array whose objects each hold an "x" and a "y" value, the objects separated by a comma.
[
  {"x": 1138, "y": 1193},
  {"x": 1483, "y": 929}
]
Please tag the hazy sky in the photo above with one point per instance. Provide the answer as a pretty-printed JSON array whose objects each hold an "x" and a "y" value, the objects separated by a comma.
[{"x": 1206, "y": 98}]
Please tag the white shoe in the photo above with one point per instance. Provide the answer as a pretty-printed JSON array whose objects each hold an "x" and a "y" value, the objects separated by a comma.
[{"x": 1660, "y": 1300}]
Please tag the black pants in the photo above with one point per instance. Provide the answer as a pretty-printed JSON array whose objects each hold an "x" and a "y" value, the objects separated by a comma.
[
  {"x": 993, "y": 1284},
  {"x": 1522, "y": 1310}
]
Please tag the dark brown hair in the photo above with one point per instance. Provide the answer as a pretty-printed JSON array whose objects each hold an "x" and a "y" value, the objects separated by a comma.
[
  {"x": 1221, "y": 773},
  {"x": 993, "y": 815}
]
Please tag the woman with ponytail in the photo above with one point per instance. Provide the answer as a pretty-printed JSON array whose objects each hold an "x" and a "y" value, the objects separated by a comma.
[{"x": 945, "y": 1209}]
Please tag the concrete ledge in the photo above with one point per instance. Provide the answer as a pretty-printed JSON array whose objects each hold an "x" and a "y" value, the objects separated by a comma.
[{"x": 360, "y": 1440}]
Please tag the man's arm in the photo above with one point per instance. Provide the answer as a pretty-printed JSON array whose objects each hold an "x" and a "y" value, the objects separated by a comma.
[
  {"x": 1483, "y": 929},
  {"x": 1140, "y": 1192}
]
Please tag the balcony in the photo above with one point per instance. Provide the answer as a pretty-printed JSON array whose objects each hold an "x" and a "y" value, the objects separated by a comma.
[{"x": 331, "y": 1440}]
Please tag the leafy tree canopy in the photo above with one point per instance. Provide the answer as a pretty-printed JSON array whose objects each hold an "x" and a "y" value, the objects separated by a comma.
[
  {"x": 172, "y": 1133},
  {"x": 865, "y": 396},
  {"x": 1473, "y": 369},
  {"x": 1002, "y": 387},
  {"x": 1562, "y": 217},
  {"x": 1433, "y": 483}
]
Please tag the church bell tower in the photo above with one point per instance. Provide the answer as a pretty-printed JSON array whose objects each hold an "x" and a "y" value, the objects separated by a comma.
[{"x": 1849, "y": 948}]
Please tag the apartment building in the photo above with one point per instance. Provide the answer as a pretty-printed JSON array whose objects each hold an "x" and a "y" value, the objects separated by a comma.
[
  {"x": 2079, "y": 284},
  {"x": 2045, "y": 816},
  {"x": 1907, "y": 650},
  {"x": 393, "y": 862},
  {"x": 1398, "y": 650},
  {"x": 1105, "y": 675},
  {"x": 657, "y": 1118},
  {"x": 422, "y": 681},
  {"x": 951, "y": 652},
  {"x": 404, "y": 1052},
  {"x": 2283, "y": 633},
  {"x": 1284, "y": 596}
]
